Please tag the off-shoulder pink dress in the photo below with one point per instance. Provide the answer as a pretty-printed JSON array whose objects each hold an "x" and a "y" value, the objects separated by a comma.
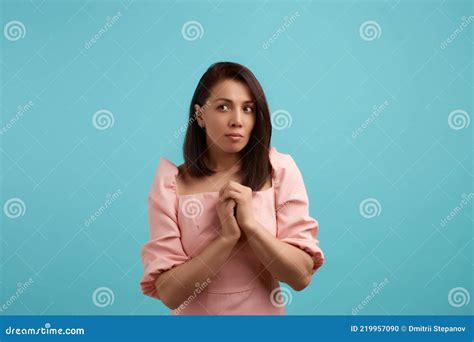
[{"x": 181, "y": 226}]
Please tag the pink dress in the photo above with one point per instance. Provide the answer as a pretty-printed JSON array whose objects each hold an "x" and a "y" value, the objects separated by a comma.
[{"x": 181, "y": 226}]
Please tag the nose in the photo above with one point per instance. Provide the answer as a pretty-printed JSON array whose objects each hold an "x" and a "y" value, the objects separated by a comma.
[{"x": 236, "y": 119}]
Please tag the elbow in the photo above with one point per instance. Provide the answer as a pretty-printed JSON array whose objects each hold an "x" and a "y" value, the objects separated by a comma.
[
  {"x": 167, "y": 297},
  {"x": 304, "y": 279},
  {"x": 169, "y": 302},
  {"x": 301, "y": 283}
]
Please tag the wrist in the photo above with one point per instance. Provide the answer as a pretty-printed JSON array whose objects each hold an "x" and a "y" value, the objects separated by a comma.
[
  {"x": 229, "y": 240},
  {"x": 250, "y": 227}
]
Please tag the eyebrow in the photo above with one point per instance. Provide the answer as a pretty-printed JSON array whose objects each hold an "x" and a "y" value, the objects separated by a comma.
[{"x": 228, "y": 100}]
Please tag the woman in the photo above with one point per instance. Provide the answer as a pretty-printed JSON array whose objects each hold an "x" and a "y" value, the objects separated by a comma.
[{"x": 232, "y": 221}]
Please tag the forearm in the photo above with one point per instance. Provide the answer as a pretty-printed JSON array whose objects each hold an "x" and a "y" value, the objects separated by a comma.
[
  {"x": 176, "y": 285},
  {"x": 285, "y": 262}
]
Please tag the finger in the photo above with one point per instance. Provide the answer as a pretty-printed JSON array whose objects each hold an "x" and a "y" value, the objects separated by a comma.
[
  {"x": 222, "y": 189},
  {"x": 230, "y": 203},
  {"x": 223, "y": 196},
  {"x": 236, "y": 185},
  {"x": 227, "y": 194},
  {"x": 236, "y": 196},
  {"x": 230, "y": 186}
]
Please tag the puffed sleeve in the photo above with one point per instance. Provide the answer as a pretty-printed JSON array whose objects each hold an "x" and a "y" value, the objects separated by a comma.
[
  {"x": 294, "y": 225},
  {"x": 164, "y": 249}
]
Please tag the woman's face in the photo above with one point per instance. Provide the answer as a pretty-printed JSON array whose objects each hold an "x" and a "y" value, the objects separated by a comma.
[{"x": 228, "y": 116}]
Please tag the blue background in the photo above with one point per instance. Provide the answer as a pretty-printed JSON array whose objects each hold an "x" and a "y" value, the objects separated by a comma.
[{"x": 319, "y": 69}]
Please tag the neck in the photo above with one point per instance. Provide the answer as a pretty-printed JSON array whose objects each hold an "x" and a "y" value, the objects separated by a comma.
[{"x": 220, "y": 161}]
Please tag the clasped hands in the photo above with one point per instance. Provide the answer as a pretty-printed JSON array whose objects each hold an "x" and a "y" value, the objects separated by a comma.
[{"x": 235, "y": 198}]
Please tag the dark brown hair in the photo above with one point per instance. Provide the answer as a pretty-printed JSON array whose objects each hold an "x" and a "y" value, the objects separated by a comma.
[{"x": 255, "y": 161}]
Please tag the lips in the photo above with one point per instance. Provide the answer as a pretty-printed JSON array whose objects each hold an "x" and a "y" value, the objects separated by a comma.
[{"x": 234, "y": 137}]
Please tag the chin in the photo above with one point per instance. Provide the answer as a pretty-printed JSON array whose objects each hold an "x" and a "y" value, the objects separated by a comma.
[{"x": 233, "y": 148}]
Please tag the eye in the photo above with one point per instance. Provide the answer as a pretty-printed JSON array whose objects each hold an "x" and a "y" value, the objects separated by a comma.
[
  {"x": 248, "y": 109},
  {"x": 223, "y": 108}
]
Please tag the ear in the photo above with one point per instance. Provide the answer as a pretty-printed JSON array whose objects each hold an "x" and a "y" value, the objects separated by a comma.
[{"x": 198, "y": 114}]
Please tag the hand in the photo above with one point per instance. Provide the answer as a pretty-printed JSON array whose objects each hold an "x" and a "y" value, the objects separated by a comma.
[
  {"x": 230, "y": 228},
  {"x": 242, "y": 195}
]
